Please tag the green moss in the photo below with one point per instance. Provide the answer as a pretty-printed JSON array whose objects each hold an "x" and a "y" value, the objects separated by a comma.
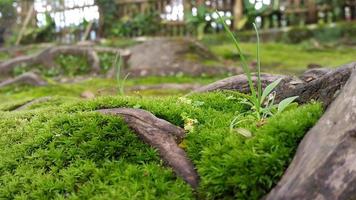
[
  {"x": 287, "y": 58},
  {"x": 69, "y": 151},
  {"x": 248, "y": 169},
  {"x": 119, "y": 42},
  {"x": 81, "y": 155},
  {"x": 98, "y": 86}
]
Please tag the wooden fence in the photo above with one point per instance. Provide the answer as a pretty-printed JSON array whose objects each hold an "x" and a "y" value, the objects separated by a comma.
[
  {"x": 172, "y": 12},
  {"x": 298, "y": 12},
  {"x": 289, "y": 12}
]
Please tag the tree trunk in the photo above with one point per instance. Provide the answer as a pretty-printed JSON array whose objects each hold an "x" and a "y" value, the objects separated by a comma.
[{"x": 325, "y": 163}]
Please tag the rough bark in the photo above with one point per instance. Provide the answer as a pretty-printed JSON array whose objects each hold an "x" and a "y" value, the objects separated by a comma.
[
  {"x": 183, "y": 68},
  {"x": 240, "y": 83},
  {"x": 315, "y": 84},
  {"x": 174, "y": 56},
  {"x": 166, "y": 86},
  {"x": 47, "y": 56},
  {"x": 324, "y": 166},
  {"x": 161, "y": 135},
  {"x": 28, "y": 78}
]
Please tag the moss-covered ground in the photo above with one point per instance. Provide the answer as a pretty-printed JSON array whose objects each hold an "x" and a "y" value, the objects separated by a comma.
[
  {"x": 63, "y": 149},
  {"x": 282, "y": 57},
  {"x": 99, "y": 87}
]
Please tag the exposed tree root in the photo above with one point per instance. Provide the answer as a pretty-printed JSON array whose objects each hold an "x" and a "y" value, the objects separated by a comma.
[
  {"x": 324, "y": 166},
  {"x": 183, "y": 68},
  {"x": 29, "y": 78},
  {"x": 314, "y": 84},
  {"x": 166, "y": 86},
  {"x": 161, "y": 135},
  {"x": 47, "y": 56},
  {"x": 32, "y": 102}
]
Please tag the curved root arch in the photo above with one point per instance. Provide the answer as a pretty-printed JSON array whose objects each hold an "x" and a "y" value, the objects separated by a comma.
[{"x": 47, "y": 56}]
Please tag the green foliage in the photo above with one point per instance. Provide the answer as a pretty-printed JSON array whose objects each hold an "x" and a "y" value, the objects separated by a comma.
[
  {"x": 119, "y": 79},
  {"x": 40, "y": 34},
  {"x": 198, "y": 22},
  {"x": 138, "y": 25},
  {"x": 201, "y": 21},
  {"x": 108, "y": 12},
  {"x": 8, "y": 13},
  {"x": 67, "y": 65},
  {"x": 298, "y": 34},
  {"x": 71, "y": 65},
  {"x": 4, "y": 56},
  {"x": 106, "y": 61},
  {"x": 69, "y": 151}
]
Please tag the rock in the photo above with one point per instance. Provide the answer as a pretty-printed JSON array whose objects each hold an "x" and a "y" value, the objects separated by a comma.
[
  {"x": 87, "y": 95},
  {"x": 166, "y": 52},
  {"x": 178, "y": 56}
]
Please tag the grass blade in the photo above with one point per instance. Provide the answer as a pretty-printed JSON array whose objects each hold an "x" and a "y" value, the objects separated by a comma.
[
  {"x": 285, "y": 103},
  {"x": 259, "y": 84},
  {"x": 269, "y": 89},
  {"x": 242, "y": 57},
  {"x": 244, "y": 132}
]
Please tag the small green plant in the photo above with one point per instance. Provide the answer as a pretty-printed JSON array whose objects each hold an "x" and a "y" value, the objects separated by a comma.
[
  {"x": 261, "y": 102},
  {"x": 120, "y": 81}
]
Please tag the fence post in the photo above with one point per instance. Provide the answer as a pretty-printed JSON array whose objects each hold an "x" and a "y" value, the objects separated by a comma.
[{"x": 312, "y": 11}]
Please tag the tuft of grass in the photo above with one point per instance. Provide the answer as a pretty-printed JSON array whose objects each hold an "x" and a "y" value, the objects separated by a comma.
[{"x": 120, "y": 81}]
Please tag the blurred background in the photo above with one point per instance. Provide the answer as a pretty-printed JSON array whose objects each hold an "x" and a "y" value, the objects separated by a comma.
[{"x": 160, "y": 47}]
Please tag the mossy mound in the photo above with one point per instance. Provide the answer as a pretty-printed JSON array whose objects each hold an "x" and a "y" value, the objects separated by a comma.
[{"x": 71, "y": 152}]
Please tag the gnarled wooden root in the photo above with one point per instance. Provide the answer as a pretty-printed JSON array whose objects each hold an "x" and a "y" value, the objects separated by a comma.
[
  {"x": 166, "y": 86},
  {"x": 29, "y": 78},
  {"x": 324, "y": 166},
  {"x": 161, "y": 135},
  {"x": 314, "y": 84},
  {"x": 47, "y": 56}
]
